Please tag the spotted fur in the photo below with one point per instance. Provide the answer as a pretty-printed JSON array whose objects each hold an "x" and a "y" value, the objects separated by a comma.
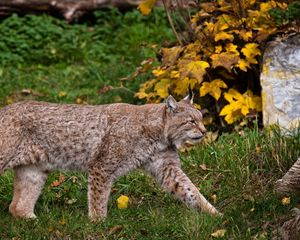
[{"x": 107, "y": 141}]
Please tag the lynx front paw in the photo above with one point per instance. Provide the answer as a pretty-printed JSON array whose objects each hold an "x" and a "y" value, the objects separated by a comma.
[
  {"x": 96, "y": 218},
  {"x": 97, "y": 214},
  {"x": 217, "y": 213},
  {"x": 21, "y": 213}
]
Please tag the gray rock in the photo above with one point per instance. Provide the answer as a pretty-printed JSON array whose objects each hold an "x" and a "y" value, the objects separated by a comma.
[{"x": 280, "y": 80}]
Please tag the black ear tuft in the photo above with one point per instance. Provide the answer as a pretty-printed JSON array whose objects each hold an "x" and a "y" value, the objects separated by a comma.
[
  {"x": 190, "y": 97},
  {"x": 171, "y": 103}
]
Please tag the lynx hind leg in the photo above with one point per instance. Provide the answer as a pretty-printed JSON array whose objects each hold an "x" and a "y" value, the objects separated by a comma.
[
  {"x": 170, "y": 176},
  {"x": 10, "y": 147},
  {"x": 28, "y": 184}
]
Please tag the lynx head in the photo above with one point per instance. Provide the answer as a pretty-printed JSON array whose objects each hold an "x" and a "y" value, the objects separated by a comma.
[{"x": 184, "y": 127}]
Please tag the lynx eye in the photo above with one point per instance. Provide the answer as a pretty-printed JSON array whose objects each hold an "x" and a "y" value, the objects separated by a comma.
[{"x": 193, "y": 121}]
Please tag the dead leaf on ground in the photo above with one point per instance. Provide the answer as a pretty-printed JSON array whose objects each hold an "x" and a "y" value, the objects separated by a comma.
[
  {"x": 105, "y": 89},
  {"x": 55, "y": 183},
  {"x": 74, "y": 179},
  {"x": 211, "y": 137},
  {"x": 115, "y": 229},
  {"x": 71, "y": 201},
  {"x": 219, "y": 233},
  {"x": 24, "y": 94},
  {"x": 58, "y": 182},
  {"x": 203, "y": 166},
  {"x": 62, "y": 222}
]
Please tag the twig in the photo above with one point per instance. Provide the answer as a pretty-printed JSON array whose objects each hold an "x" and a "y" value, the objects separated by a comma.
[{"x": 171, "y": 22}]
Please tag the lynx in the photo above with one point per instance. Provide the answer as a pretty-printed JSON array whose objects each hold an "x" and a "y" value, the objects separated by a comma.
[{"x": 106, "y": 141}]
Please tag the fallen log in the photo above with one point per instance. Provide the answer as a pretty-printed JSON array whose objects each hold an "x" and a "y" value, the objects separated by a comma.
[
  {"x": 74, "y": 9},
  {"x": 68, "y": 9}
]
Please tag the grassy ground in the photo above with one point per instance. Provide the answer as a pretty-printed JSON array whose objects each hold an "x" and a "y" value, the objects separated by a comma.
[{"x": 46, "y": 59}]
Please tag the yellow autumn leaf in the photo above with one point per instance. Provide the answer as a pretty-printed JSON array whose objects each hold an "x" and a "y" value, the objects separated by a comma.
[
  {"x": 161, "y": 88},
  {"x": 182, "y": 85},
  {"x": 213, "y": 88},
  {"x": 282, "y": 5},
  {"x": 209, "y": 27},
  {"x": 243, "y": 65},
  {"x": 219, "y": 233},
  {"x": 239, "y": 105},
  {"x": 214, "y": 198},
  {"x": 251, "y": 2},
  {"x": 245, "y": 35},
  {"x": 221, "y": 2},
  {"x": 170, "y": 55},
  {"x": 226, "y": 19},
  {"x": 208, "y": 7},
  {"x": 223, "y": 36},
  {"x": 207, "y": 120},
  {"x": 223, "y": 26},
  {"x": 232, "y": 48},
  {"x": 233, "y": 95},
  {"x": 250, "y": 51},
  {"x": 9, "y": 100},
  {"x": 231, "y": 112},
  {"x": 146, "y": 6},
  {"x": 286, "y": 200},
  {"x": 255, "y": 102},
  {"x": 149, "y": 84},
  {"x": 174, "y": 74},
  {"x": 141, "y": 94},
  {"x": 158, "y": 72},
  {"x": 62, "y": 94},
  {"x": 193, "y": 47},
  {"x": 62, "y": 221},
  {"x": 218, "y": 49},
  {"x": 245, "y": 110},
  {"x": 145, "y": 89},
  {"x": 265, "y": 7},
  {"x": 80, "y": 100},
  {"x": 194, "y": 69},
  {"x": 122, "y": 202},
  {"x": 224, "y": 59},
  {"x": 263, "y": 33}
]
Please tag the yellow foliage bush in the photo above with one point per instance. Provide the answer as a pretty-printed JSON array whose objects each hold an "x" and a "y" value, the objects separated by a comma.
[{"x": 221, "y": 62}]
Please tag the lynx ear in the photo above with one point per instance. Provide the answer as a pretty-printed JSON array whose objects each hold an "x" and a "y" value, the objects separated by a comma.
[
  {"x": 190, "y": 97},
  {"x": 171, "y": 103}
]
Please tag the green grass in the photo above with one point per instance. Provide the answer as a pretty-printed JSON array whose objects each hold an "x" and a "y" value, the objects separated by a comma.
[
  {"x": 42, "y": 57},
  {"x": 48, "y": 56}
]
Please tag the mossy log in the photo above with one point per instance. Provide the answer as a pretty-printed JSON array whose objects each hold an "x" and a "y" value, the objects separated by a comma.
[
  {"x": 68, "y": 9},
  {"x": 74, "y": 9}
]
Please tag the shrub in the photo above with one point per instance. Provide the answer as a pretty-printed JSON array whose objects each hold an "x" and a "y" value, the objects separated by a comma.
[{"x": 221, "y": 61}]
